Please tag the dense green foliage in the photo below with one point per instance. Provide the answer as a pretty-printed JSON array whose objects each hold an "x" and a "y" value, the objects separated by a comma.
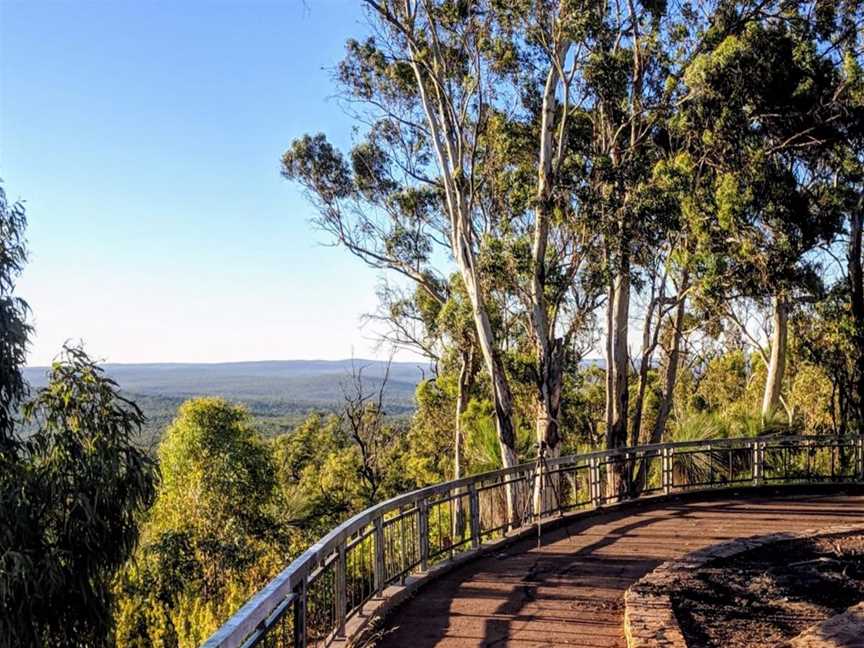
[
  {"x": 234, "y": 506},
  {"x": 70, "y": 491},
  {"x": 210, "y": 531},
  {"x": 535, "y": 168}
]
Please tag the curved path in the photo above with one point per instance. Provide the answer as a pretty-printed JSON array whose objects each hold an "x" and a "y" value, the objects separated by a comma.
[{"x": 570, "y": 591}]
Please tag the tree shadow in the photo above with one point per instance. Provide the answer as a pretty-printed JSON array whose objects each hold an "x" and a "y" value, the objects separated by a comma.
[{"x": 567, "y": 590}]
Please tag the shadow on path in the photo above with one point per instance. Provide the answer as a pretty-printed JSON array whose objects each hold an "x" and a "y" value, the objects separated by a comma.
[{"x": 570, "y": 591}]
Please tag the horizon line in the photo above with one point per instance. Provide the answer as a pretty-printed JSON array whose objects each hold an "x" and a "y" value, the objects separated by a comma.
[{"x": 240, "y": 362}]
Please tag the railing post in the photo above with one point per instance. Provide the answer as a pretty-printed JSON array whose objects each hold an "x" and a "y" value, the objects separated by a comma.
[
  {"x": 859, "y": 457},
  {"x": 594, "y": 481},
  {"x": 474, "y": 512},
  {"x": 403, "y": 546},
  {"x": 423, "y": 530},
  {"x": 666, "y": 470},
  {"x": 758, "y": 460},
  {"x": 630, "y": 467},
  {"x": 300, "y": 614},
  {"x": 762, "y": 446},
  {"x": 535, "y": 494},
  {"x": 379, "y": 555},
  {"x": 340, "y": 593}
]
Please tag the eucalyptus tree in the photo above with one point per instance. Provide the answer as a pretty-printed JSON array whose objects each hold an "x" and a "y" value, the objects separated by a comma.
[
  {"x": 16, "y": 330},
  {"x": 847, "y": 167},
  {"x": 71, "y": 487},
  {"x": 632, "y": 53},
  {"x": 443, "y": 332},
  {"x": 642, "y": 61},
  {"x": 415, "y": 180},
  {"x": 762, "y": 110},
  {"x": 541, "y": 169}
]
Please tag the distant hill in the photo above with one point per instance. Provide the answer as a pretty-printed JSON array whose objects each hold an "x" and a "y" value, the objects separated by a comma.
[{"x": 278, "y": 392}]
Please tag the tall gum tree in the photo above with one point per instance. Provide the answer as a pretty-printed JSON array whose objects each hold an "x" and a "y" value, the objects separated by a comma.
[
  {"x": 763, "y": 103},
  {"x": 638, "y": 53},
  {"x": 426, "y": 90},
  {"x": 624, "y": 75},
  {"x": 541, "y": 171}
]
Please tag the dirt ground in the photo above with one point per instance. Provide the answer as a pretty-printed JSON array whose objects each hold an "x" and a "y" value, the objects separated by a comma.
[{"x": 770, "y": 595}]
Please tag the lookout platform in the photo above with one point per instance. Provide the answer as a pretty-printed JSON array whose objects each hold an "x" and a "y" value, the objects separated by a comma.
[{"x": 570, "y": 591}]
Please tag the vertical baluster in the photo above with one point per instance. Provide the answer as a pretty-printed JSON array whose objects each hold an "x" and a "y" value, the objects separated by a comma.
[
  {"x": 339, "y": 593},
  {"x": 540, "y": 486},
  {"x": 594, "y": 478},
  {"x": 731, "y": 474},
  {"x": 859, "y": 455},
  {"x": 710, "y": 464},
  {"x": 754, "y": 468},
  {"x": 378, "y": 564},
  {"x": 666, "y": 470},
  {"x": 763, "y": 451},
  {"x": 423, "y": 524},
  {"x": 300, "y": 614},
  {"x": 633, "y": 489},
  {"x": 452, "y": 522},
  {"x": 439, "y": 545},
  {"x": 474, "y": 509},
  {"x": 403, "y": 551},
  {"x": 758, "y": 459}
]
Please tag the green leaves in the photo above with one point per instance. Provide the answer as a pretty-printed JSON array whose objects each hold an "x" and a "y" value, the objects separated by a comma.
[
  {"x": 313, "y": 161},
  {"x": 70, "y": 500},
  {"x": 15, "y": 330},
  {"x": 211, "y": 536}
]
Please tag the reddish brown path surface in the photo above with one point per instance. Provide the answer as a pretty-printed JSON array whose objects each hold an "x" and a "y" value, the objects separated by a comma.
[{"x": 569, "y": 592}]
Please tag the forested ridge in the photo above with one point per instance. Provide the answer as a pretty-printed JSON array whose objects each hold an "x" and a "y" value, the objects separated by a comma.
[
  {"x": 279, "y": 394},
  {"x": 671, "y": 186}
]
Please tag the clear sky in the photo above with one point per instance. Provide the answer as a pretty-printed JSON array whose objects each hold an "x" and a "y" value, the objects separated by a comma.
[{"x": 145, "y": 138}]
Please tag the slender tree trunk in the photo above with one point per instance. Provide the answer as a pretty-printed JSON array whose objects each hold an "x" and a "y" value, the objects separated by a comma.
[
  {"x": 445, "y": 136},
  {"x": 777, "y": 365},
  {"x": 502, "y": 399},
  {"x": 466, "y": 378},
  {"x": 639, "y": 405},
  {"x": 670, "y": 376},
  {"x": 548, "y": 408},
  {"x": 856, "y": 288},
  {"x": 610, "y": 361},
  {"x": 673, "y": 363},
  {"x": 548, "y": 349},
  {"x": 466, "y": 373},
  {"x": 616, "y": 435},
  {"x": 650, "y": 333}
]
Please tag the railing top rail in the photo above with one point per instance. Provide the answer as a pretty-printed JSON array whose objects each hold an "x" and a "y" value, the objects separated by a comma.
[{"x": 255, "y": 611}]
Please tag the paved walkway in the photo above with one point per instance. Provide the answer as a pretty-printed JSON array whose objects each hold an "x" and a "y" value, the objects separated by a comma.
[{"x": 570, "y": 592}]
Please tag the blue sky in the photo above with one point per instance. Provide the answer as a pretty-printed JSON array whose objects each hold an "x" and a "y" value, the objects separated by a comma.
[{"x": 145, "y": 138}]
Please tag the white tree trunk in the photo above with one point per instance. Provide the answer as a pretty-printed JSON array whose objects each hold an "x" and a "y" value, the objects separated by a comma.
[
  {"x": 616, "y": 435},
  {"x": 446, "y": 137},
  {"x": 502, "y": 399},
  {"x": 670, "y": 377},
  {"x": 465, "y": 371},
  {"x": 777, "y": 364}
]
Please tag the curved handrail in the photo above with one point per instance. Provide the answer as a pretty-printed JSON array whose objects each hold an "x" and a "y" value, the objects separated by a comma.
[{"x": 374, "y": 543}]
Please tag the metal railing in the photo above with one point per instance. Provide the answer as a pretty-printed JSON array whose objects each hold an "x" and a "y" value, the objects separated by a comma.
[{"x": 310, "y": 601}]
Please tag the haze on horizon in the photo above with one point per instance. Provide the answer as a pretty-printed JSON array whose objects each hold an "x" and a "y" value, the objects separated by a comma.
[{"x": 197, "y": 249}]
